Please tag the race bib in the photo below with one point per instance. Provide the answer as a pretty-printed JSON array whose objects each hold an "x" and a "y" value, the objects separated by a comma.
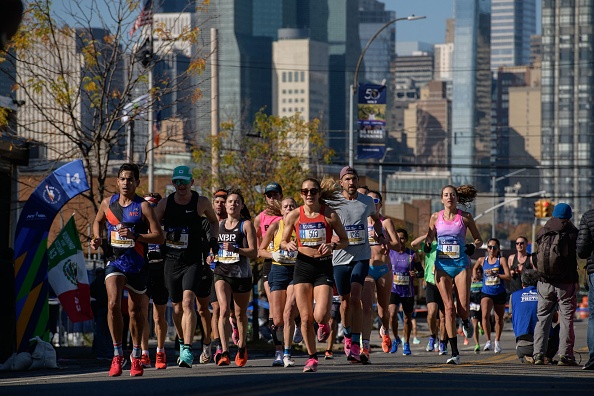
[
  {"x": 370, "y": 234},
  {"x": 117, "y": 241},
  {"x": 475, "y": 307},
  {"x": 312, "y": 234},
  {"x": 176, "y": 237},
  {"x": 286, "y": 257},
  {"x": 449, "y": 249},
  {"x": 356, "y": 234},
  {"x": 491, "y": 279},
  {"x": 401, "y": 278},
  {"x": 227, "y": 257}
]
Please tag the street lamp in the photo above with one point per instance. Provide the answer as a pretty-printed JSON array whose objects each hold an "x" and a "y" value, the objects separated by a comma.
[
  {"x": 381, "y": 169},
  {"x": 493, "y": 181},
  {"x": 353, "y": 87}
]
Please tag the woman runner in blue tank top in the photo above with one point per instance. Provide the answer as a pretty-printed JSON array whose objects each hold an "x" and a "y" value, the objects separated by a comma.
[{"x": 495, "y": 271}]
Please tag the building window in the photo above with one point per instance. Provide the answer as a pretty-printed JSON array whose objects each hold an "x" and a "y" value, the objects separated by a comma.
[
  {"x": 284, "y": 76},
  {"x": 302, "y": 76},
  {"x": 296, "y": 76},
  {"x": 290, "y": 77}
]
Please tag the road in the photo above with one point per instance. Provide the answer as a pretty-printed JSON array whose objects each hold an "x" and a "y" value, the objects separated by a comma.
[{"x": 422, "y": 373}]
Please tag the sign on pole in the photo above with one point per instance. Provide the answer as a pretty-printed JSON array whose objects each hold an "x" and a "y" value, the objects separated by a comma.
[{"x": 372, "y": 121}]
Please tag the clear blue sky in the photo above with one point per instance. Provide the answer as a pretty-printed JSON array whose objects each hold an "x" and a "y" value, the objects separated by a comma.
[{"x": 432, "y": 29}]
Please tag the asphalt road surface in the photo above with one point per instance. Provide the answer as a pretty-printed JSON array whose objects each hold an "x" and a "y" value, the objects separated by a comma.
[{"x": 422, "y": 373}]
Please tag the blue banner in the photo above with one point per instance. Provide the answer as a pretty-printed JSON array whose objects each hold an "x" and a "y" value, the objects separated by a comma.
[
  {"x": 32, "y": 230},
  {"x": 371, "y": 110}
]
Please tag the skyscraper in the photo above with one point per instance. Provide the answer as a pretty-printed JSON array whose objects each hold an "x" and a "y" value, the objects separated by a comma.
[
  {"x": 471, "y": 102},
  {"x": 512, "y": 23},
  {"x": 567, "y": 96},
  {"x": 372, "y": 17}
]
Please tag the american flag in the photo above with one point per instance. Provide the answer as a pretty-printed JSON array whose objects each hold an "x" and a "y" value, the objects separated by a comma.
[{"x": 144, "y": 18}]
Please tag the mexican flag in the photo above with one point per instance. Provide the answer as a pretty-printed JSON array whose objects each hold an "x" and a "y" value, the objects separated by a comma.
[{"x": 67, "y": 274}]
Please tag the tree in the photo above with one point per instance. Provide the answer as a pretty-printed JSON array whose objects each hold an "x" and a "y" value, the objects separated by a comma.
[
  {"x": 76, "y": 80},
  {"x": 280, "y": 149}
]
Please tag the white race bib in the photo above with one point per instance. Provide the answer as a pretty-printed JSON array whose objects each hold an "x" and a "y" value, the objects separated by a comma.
[
  {"x": 370, "y": 234},
  {"x": 449, "y": 249},
  {"x": 176, "y": 238},
  {"x": 227, "y": 257},
  {"x": 401, "y": 279},
  {"x": 312, "y": 234},
  {"x": 356, "y": 234},
  {"x": 117, "y": 241}
]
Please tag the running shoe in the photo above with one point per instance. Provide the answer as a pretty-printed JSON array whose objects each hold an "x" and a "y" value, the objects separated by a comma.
[
  {"x": 278, "y": 359},
  {"x": 487, "y": 346},
  {"x": 386, "y": 343},
  {"x": 477, "y": 349},
  {"x": 468, "y": 329},
  {"x": 539, "y": 359},
  {"x": 311, "y": 366},
  {"x": 206, "y": 354},
  {"x": 497, "y": 348},
  {"x": 328, "y": 355},
  {"x": 466, "y": 342},
  {"x": 297, "y": 335},
  {"x": 395, "y": 344},
  {"x": 527, "y": 360},
  {"x": 186, "y": 358},
  {"x": 354, "y": 354},
  {"x": 443, "y": 348},
  {"x": 566, "y": 361},
  {"x": 323, "y": 332},
  {"x": 430, "y": 345},
  {"x": 224, "y": 359},
  {"x": 235, "y": 334},
  {"x": 348, "y": 342},
  {"x": 453, "y": 360},
  {"x": 365, "y": 356},
  {"x": 136, "y": 369},
  {"x": 217, "y": 354},
  {"x": 288, "y": 361},
  {"x": 416, "y": 341},
  {"x": 242, "y": 357},
  {"x": 406, "y": 349},
  {"x": 145, "y": 360},
  {"x": 117, "y": 363},
  {"x": 161, "y": 362}
]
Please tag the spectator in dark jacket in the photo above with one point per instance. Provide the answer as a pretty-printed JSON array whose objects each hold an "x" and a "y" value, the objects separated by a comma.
[
  {"x": 585, "y": 248},
  {"x": 560, "y": 291}
]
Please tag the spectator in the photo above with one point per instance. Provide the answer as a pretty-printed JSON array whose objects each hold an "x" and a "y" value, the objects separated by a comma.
[{"x": 585, "y": 248}]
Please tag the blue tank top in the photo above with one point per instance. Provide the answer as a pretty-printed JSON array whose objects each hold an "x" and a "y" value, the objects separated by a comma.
[
  {"x": 126, "y": 254},
  {"x": 492, "y": 284}
]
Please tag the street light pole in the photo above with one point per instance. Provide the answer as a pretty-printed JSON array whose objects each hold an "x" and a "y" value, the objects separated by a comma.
[
  {"x": 381, "y": 169},
  {"x": 493, "y": 181},
  {"x": 353, "y": 88}
]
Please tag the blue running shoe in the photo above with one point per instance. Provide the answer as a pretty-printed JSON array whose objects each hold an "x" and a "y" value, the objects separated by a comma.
[
  {"x": 406, "y": 349},
  {"x": 430, "y": 345},
  {"x": 395, "y": 343},
  {"x": 443, "y": 349},
  {"x": 186, "y": 358}
]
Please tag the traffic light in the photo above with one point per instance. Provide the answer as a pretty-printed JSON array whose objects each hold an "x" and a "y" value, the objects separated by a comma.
[
  {"x": 547, "y": 208},
  {"x": 538, "y": 209}
]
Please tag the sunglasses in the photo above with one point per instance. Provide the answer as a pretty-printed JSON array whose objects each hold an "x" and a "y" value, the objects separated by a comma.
[
  {"x": 272, "y": 194},
  {"x": 491, "y": 247},
  {"x": 179, "y": 182},
  {"x": 312, "y": 191},
  {"x": 520, "y": 243},
  {"x": 376, "y": 200}
]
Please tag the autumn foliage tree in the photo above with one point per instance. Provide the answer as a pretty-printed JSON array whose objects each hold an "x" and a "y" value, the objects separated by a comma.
[
  {"x": 280, "y": 149},
  {"x": 74, "y": 69}
]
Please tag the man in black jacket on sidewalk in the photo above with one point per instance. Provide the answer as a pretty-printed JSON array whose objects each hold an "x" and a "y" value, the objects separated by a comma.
[
  {"x": 558, "y": 290},
  {"x": 585, "y": 248}
]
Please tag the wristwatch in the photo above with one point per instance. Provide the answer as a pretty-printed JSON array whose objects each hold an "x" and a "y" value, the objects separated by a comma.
[{"x": 334, "y": 245}]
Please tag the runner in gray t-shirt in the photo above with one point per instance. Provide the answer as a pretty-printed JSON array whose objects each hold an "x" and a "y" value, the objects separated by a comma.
[{"x": 351, "y": 265}]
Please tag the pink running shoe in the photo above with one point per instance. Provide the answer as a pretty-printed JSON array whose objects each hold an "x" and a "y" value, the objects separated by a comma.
[
  {"x": 311, "y": 366},
  {"x": 355, "y": 354},
  {"x": 323, "y": 332},
  {"x": 347, "y": 345}
]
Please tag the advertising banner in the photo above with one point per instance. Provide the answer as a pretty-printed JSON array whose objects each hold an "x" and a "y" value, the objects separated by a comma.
[
  {"x": 371, "y": 110},
  {"x": 31, "y": 263}
]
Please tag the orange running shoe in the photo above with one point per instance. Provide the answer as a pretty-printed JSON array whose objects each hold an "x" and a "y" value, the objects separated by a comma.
[
  {"x": 242, "y": 357},
  {"x": 224, "y": 359},
  {"x": 145, "y": 360},
  {"x": 161, "y": 362},
  {"x": 136, "y": 370},
  {"x": 117, "y": 363},
  {"x": 386, "y": 343}
]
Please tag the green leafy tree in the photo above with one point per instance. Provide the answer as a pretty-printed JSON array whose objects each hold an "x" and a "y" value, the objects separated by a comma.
[{"x": 280, "y": 149}]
